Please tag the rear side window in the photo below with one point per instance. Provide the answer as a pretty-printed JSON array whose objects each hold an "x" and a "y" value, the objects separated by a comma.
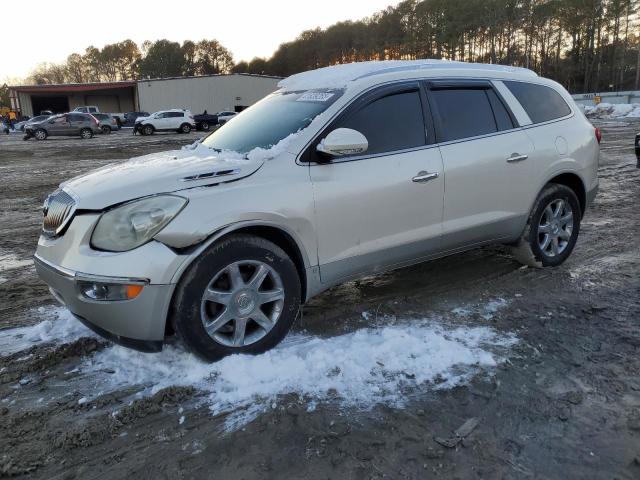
[
  {"x": 470, "y": 112},
  {"x": 393, "y": 122},
  {"x": 75, "y": 117},
  {"x": 541, "y": 103},
  {"x": 176, "y": 114}
]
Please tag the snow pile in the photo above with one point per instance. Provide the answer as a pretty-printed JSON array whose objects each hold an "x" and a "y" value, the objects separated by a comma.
[
  {"x": 617, "y": 110},
  {"x": 363, "y": 368},
  {"x": 60, "y": 326}
]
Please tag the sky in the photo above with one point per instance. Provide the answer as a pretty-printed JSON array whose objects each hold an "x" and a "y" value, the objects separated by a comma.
[{"x": 53, "y": 30}]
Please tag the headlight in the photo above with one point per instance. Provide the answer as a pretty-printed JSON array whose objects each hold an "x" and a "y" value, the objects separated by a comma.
[{"x": 135, "y": 223}]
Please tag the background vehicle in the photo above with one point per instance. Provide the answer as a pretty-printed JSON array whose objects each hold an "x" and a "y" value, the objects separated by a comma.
[
  {"x": 175, "y": 120},
  {"x": 67, "y": 124},
  {"x": 131, "y": 117},
  {"x": 87, "y": 109},
  {"x": 225, "y": 116},
  {"x": 120, "y": 117},
  {"x": 107, "y": 122},
  {"x": 205, "y": 121},
  {"x": 40, "y": 118}
]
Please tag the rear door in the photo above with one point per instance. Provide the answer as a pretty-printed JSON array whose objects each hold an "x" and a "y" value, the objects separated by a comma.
[
  {"x": 175, "y": 120},
  {"x": 382, "y": 208},
  {"x": 485, "y": 157},
  {"x": 76, "y": 123}
]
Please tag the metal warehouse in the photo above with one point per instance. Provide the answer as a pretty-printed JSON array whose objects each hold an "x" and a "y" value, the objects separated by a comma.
[{"x": 213, "y": 93}]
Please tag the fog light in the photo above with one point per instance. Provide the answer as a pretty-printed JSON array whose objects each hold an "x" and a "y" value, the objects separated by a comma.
[{"x": 109, "y": 291}]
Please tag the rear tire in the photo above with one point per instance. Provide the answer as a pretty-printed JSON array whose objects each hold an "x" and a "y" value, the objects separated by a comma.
[
  {"x": 205, "y": 126},
  {"x": 86, "y": 133},
  {"x": 240, "y": 296},
  {"x": 552, "y": 229}
]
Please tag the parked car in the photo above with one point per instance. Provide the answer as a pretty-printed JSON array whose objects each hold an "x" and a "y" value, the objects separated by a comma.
[
  {"x": 370, "y": 167},
  {"x": 119, "y": 117},
  {"x": 175, "y": 120},
  {"x": 66, "y": 124},
  {"x": 22, "y": 125},
  {"x": 131, "y": 117},
  {"x": 107, "y": 122},
  {"x": 225, "y": 116},
  {"x": 205, "y": 121},
  {"x": 87, "y": 109}
]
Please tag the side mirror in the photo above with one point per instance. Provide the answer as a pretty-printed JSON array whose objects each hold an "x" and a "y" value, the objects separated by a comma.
[{"x": 343, "y": 141}]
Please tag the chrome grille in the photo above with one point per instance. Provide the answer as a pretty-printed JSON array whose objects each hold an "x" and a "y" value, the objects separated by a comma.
[{"x": 58, "y": 209}]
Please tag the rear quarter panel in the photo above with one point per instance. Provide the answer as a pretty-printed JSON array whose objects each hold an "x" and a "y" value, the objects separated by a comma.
[{"x": 564, "y": 146}]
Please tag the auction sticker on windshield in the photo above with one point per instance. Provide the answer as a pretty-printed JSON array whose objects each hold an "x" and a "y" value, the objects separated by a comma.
[{"x": 315, "y": 97}]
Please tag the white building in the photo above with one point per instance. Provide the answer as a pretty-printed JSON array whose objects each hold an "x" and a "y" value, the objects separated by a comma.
[{"x": 213, "y": 93}]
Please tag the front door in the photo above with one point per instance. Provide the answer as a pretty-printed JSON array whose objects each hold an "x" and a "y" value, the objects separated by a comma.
[
  {"x": 58, "y": 125},
  {"x": 382, "y": 208}
]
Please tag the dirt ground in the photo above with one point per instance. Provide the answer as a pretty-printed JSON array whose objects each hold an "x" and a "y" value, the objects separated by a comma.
[{"x": 564, "y": 404}]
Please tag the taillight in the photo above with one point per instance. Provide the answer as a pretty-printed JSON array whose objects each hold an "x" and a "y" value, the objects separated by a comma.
[{"x": 598, "y": 135}]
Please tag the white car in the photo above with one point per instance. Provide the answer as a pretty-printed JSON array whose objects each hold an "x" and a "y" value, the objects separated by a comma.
[
  {"x": 369, "y": 167},
  {"x": 225, "y": 116},
  {"x": 174, "y": 120}
]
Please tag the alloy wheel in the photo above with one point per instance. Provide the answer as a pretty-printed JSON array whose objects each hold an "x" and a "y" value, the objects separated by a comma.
[
  {"x": 242, "y": 303},
  {"x": 555, "y": 227}
]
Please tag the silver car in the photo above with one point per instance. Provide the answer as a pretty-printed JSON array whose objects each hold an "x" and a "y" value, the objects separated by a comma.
[{"x": 343, "y": 172}]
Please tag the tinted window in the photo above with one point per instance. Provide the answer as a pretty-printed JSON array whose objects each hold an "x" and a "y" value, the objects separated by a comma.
[
  {"x": 75, "y": 117},
  {"x": 175, "y": 114},
  {"x": 393, "y": 122},
  {"x": 464, "y": 113},
  {"x": 541, "y": 103}
]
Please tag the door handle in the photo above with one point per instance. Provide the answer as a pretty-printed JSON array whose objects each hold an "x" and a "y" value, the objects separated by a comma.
[
  {"x": 516, "y": 157},
  {"x": 423, "y": 177}
]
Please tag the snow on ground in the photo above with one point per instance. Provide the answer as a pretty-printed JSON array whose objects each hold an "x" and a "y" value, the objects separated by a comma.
[
  {"x": 58, "y": 327},
  {"x": 382, "y": 365},
  {"x": 617, "y": 110}
]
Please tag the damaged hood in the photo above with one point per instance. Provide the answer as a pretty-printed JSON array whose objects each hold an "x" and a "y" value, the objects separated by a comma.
[{"x": 162, "y": 172}]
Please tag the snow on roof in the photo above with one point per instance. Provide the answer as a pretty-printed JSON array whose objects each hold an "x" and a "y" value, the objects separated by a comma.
[{"x": 338, "y": 76}]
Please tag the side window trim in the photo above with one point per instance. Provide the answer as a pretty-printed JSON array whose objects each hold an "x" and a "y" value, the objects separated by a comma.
[
  {"x": 309, "y": 155},
  {"x": 467, "y": 84}
]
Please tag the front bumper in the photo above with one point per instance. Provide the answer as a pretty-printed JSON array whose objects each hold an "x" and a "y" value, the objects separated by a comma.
[
  {"x": 137, "y": 323},
  {"x": 65, "y": 261}
]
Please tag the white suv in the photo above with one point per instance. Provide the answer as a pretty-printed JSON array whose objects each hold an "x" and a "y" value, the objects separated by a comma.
[
  {"x": 343, "y": 172},
  {"x": 175, "y": 120}
]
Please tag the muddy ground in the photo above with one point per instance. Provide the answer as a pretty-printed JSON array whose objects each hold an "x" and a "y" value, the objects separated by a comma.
[{"x": 564, "y": 403}]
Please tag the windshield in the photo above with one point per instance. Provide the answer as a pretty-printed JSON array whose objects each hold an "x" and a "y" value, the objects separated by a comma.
[{"x": 271, "y": 119}]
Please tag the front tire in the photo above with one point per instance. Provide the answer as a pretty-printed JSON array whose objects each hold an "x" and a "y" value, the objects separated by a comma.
[
  {"x": 552, "y": 229},
  {"x": 148, "y": 130},
  {"x": 205, "y": 126},
  {"x": 185, "y": 128},
  {"x": 106, "y": 130},
  {"x": 40, "y": 134},
  {"x": 240, "y": 296}
]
